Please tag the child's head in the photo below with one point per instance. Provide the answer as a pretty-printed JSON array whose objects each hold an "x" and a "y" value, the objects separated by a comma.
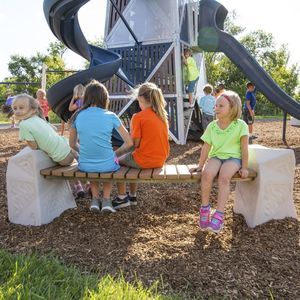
[
  {"x": 221, "y": 87},
  {"x": 187, "y": 52},
  {"x": 96, "y": 94},
  {"x": 229, "y": 105},
  {"x": 78, "y": 91},
  {"x": 250, "y": 86},
  {"x": 207, "y": 89},
  {"x": 149, "y": 95},
  {"x": 25, "y": 106},
  {"x": 40, "y": 94}
]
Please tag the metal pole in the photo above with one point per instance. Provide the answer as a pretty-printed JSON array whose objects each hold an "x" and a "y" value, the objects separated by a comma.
[
  {"x": 284, "y": 126},
  {"x": 44, "y": 77},
  {"x": 124, "y": 20}
]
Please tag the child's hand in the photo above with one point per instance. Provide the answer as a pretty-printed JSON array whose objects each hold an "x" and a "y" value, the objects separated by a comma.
[
  {"x": 196, "y": 170},
  {"x": 244, "y": 172}
]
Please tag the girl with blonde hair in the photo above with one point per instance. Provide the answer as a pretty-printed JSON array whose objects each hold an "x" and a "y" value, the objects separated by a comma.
[
  {"x": 224, "y": 152},
  {"x": 149, "y": 131}
]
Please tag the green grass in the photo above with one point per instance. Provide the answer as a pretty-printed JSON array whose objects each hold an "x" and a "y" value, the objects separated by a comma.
[{"x": 33, "y": 277}]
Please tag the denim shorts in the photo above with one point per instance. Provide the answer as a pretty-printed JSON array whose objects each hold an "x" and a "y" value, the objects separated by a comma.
[
  {"x": 238, "y": 161},
  {"x": 130, "y": 162},
  {"x": 191, "y": 86}
]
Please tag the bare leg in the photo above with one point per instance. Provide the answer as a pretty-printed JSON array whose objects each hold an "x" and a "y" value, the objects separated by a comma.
[
  {"x": 95, "y": 189},
  {"x": 228, "y": 169},
  {"x": 107, "y": 186},
  {"x": 250, "y": 126},
  {"x": 191, "y": 98},
  {"x": 133, "y": 188},
  {"x": 209, "y": 172}
]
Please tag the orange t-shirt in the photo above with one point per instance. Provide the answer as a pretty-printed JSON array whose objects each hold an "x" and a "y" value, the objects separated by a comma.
[{"x": 154, "y": 145}]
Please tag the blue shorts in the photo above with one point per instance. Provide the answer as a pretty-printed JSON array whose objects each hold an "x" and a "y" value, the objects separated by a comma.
[
  {"x": 238, "y": 161},
  {"x": 191, "y": 86}
]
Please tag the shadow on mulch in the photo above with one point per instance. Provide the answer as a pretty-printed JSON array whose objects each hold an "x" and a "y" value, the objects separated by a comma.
[{"x": 160, "y": 240}]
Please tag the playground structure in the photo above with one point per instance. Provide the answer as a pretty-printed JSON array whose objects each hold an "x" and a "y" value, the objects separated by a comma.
[{"x": 144, "y": 41}]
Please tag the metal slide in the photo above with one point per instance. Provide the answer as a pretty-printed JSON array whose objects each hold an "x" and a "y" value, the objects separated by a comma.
[
  {"x": 62, "y": 19},
  {"x": 212, "y": 38}
]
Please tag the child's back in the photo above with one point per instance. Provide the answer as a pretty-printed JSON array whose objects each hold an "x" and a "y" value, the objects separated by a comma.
[{"x": 154, "y": 146}]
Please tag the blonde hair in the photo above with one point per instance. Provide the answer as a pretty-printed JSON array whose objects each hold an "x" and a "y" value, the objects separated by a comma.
[
  {"x": 41, "y": 91},
  {"x": 78, "y": 91},
  {"x": 235, "y": 104},
  {"x": 153, "y": 95},
  {"x": 32, "y": 103}
]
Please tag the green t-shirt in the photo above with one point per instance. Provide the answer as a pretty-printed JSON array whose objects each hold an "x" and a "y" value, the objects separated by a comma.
[
  {"x": 225, "y": 143},
  {"x": 192, "y": 70},
  {"x": 38, "y": 130}
]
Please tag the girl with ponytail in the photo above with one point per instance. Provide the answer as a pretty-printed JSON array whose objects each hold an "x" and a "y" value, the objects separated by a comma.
[{"x": 149, "y": 131}]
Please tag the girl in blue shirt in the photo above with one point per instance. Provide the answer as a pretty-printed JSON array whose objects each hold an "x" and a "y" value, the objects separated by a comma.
[{"x": 93, "y": 126}]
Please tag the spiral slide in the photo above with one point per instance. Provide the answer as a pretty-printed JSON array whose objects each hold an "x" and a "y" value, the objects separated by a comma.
[
  {"x": 212, "y": 38},
  {"x": 62, "y": 19}
]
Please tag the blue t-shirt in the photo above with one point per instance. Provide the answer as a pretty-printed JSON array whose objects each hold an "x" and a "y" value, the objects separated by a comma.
[
  {"x": 94, "y": 127},
  {"x": 9, "y": 100},
  {"x": 207, "y": 104},
  {"x": 251, "y": 96}
]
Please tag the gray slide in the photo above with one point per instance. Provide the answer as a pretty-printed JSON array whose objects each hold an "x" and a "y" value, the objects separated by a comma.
[
  {"x": 62, "y": 19},
  {"x": 212, "y": 38}
]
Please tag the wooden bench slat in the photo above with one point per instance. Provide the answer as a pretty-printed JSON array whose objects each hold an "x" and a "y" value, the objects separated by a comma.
[
  {"x": 133, "y": 173},
  {"x": 69, "y": 171},
  {"x": 48, "y": 171},
  {"x": 93, "y": 175},
  {"x": 159, "y": 173},
  {"x": 195, "y": 175},
  {"x": 79, "y": 174},
  {"x": 107, "y": 175},
  {"x": 146, "y": 174},
  {"x": 120, "y": 174},
  {"x": 171, "y": 172},
  {"x": 183, "y": 172}
]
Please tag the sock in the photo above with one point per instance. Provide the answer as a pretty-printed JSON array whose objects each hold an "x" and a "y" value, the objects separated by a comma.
[
  {"x": 122, "y": 196},
  {"x": 205, "y": 206},
  {"x": 132, "y": 194}
]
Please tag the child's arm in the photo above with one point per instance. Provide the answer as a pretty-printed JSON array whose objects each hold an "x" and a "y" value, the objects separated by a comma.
[
  {"x": 32, "y": 144},
  {"x": 203, "y": 157},
  {"x": 73, "y": 139},
  {"x": 128, "y": 143},
  {"x": 244, "y": 149},
  {"x": 72, "y": 105}
]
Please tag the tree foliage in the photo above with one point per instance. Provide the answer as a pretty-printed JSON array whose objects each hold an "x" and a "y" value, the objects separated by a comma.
[
  {"x": 29, "y": 69},
  {"x": 261, "y": 46}
]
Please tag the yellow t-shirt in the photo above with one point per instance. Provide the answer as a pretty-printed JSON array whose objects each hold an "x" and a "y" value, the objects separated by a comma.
[{"x": 192, "y": 69}]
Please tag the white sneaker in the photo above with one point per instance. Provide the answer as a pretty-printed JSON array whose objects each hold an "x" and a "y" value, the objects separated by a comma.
[
  {"x": 107, "y": 206},
  {"x": 95, "y": 205}
]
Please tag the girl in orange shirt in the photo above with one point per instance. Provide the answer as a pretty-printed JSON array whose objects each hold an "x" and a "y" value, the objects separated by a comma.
[
  {"x": 41, "y": 98},
  {"x": 149, "y": 131}
]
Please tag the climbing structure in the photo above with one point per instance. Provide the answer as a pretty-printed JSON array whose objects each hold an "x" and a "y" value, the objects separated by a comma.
[{"x": 150, "y": 37}]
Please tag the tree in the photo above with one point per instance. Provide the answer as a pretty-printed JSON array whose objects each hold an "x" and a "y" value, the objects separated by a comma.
[
  {"x": 29, "y": 69},
  {"x": 261, "y": 46}
]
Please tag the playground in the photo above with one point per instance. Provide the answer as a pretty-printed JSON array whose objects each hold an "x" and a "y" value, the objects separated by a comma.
[{"x": 159, "y": 238}]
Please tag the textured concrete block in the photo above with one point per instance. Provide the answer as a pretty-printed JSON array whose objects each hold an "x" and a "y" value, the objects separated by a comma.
[
  {"x": 270, "y": 195},
  {"x": 32, "y": 199}
]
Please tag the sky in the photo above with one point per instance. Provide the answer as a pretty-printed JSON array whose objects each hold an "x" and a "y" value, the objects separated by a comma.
[{"x": 24, "y": 30}]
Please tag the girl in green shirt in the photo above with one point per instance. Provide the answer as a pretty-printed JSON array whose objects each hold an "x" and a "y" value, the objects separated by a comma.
[{"x": 225, "y": 152}]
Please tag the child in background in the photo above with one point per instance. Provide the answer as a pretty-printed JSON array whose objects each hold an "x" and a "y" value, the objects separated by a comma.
[
  {"x": 149, "y": 131},
  {"x": 41, "y": 98},
  {"x": 225, "y": 151},
  {"x": 207, "y": 104},
  {"x": 75, "y": 104},
  {"x": 192, "y": 73},
  {"x": 38, "y": 133},
  {"x": 93, "y": 125},
  {"x": 7, "y": 109},
  {"x": 77, "y": 99}
]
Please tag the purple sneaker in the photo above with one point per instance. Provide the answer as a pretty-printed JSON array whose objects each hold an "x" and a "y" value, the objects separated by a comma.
[
  {"x": 216, "y": 223},
  {"x": 204, "y": 217}
]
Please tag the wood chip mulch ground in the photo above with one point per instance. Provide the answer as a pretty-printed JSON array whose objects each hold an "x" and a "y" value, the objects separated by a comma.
[{"x": 159, "y": 238}]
